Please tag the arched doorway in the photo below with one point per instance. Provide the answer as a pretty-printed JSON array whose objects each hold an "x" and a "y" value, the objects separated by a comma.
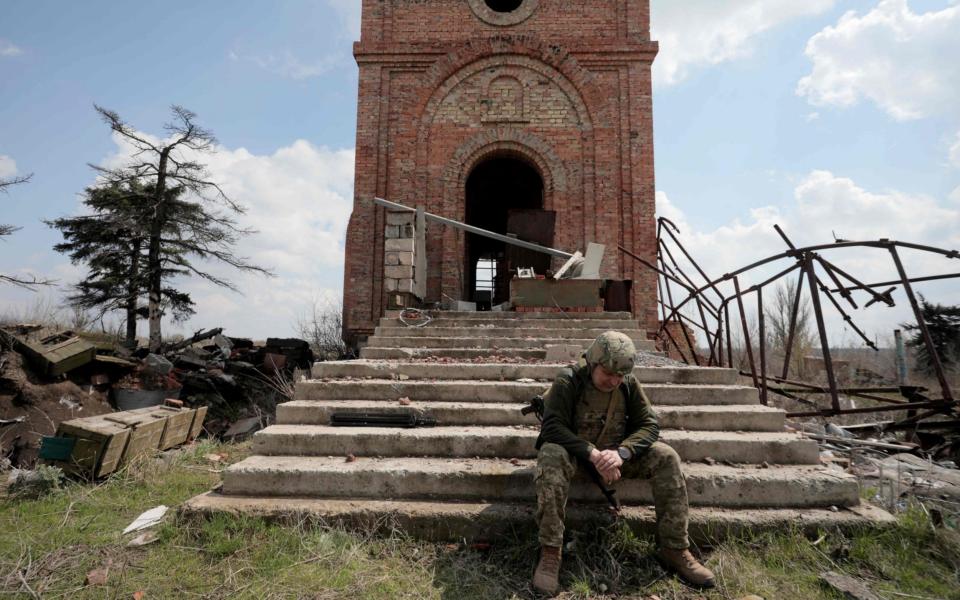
[{"x": 500, "y": 191}]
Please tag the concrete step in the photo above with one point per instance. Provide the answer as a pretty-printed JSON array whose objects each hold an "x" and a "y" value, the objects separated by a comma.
[
  {"x": 501, "y": 480},
  {"x": 479, "y": 342},
  {"x": 458, "y": 521},
  {"x": 637, "y": 335},
  {"x": 695, "y": 418},
  {"x": 519, "y": 316},
  {"x": 516, "y": 442},
  {"x": 577, "y": 322},
  {"x": 454, "y": 353},
  {"x": 506, "y": 371},
  {"x": 507, "y": 391}
]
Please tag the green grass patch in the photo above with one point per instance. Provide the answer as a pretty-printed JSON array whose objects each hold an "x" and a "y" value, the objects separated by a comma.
[{"x": 48, "y": 545}]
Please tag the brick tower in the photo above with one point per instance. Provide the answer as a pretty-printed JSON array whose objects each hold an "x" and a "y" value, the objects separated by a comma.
[{"x": 503, "y": 114}]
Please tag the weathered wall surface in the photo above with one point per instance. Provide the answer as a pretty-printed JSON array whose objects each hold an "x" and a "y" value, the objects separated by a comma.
[{"x": 446, "y": 84}]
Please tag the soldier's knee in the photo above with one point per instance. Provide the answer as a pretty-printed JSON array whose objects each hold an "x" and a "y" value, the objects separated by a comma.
[
  {"x": 553, "y": 458},
  {"x": 665, "y": 456}
]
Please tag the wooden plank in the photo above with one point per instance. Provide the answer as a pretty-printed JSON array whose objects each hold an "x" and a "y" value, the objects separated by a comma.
[{"x": 199, "y": 415}]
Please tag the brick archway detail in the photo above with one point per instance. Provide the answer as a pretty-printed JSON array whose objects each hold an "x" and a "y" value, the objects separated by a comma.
[{"x": 502, "y": 141}]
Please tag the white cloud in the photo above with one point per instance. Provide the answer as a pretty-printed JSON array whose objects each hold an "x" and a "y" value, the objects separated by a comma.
[
  {"x": 349, "y": 13},
  {"x": 701, "y": 33},
  {"x": 954, "y": 152},
  {"x": 8, "y": 166},
  {"x": 286, "y": 64},
  {"x": 299, "y": 199},
  {"x": 8, "y": 49},
  {"x": 904, "y": 62},
  {"x": 813, "y": 117},
  {"x": 826, "y": 204}
]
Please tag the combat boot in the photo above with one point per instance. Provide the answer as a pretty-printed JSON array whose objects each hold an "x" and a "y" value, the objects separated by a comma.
[
  {"x": 546, "y": 577},
  {"x": 683, "y": 563}
]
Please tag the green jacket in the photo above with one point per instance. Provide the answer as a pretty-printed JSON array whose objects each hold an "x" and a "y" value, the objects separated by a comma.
[{"x": 560, "y": 414}]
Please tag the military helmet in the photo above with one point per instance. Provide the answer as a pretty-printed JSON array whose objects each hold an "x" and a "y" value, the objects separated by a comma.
[{"x": 614, "y": 351}]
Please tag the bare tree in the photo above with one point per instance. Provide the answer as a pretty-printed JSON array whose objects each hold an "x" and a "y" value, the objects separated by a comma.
[
  {"x": 778, "y": 315},
  {"x": 5, "y": 230},
  {"x": 175, "y": 228},
  {"x": 322, "y": 327}
]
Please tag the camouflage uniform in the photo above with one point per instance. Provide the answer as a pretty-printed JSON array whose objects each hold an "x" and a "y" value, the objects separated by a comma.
[{"x": 574, "y": 424}]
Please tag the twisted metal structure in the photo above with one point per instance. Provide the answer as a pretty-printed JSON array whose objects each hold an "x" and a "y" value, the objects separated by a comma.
[{"x": 711, "y": 308}]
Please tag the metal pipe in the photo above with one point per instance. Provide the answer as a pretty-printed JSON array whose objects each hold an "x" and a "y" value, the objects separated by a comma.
[
  {"x": 792, "y": 329},
  {"x": 746, "y": 331},
  {"x": 475, "y": 230},
  {"x": 822, "y": 328},
  {"x": 763, "y": 348},
  {"x": 921, "y": 323}
]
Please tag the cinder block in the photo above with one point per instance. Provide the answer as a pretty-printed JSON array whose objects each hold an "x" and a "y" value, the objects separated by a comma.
[
  {"x": 405, "y": 245},
  {"x": 403, "y": 258},
  {"x": 391, "y": 231},
  {"x": 400, "y": 218},
  {"x": 405, "y": 285},
  {"x": 393, "y": 258},
  {"x": 391, "y": 285},
  {"x": 398, "y": 272}
]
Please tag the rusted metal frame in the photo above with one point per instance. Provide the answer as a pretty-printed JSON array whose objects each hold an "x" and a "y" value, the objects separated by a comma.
[
  {"x": 746, "y": 331},
  {"x": 792, "y": 330},
  {"x": 688, "y": 279},
  {"x": 853, "y": 395},
  {"x": 700, "y": 299},
  {"x": 922, "y": 325},
  {"x": 827, "y": 412},
  {"x": 816, "y": 389},
  {"x": 844, "y": 292},
  {"x": 877, "y": 297},
  {"x": 913, "y": 420},
  {"x": 726, "y": 311},
  {"x": 800, "y": 251},
  {"x": 836, "y": 281},
  {"x": 690, "y": 258},
  {"x": 822, "y": 329},
  {"x": 679, "y": 320},
  {"x": 914, "y": 280},
  {"x": 719, "y": 341},
  {"x": 663, "y": 306},
  {"x": 845, "y": 316},
  {"x": 667, "y": 277},
  {"x": 683, "y": 356},
  {"x": 763, "y": 347},
  {"x": 794, "y": 397}
]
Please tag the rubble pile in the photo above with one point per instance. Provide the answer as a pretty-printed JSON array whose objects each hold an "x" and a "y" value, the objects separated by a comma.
[{"x": 47, "y": 378}]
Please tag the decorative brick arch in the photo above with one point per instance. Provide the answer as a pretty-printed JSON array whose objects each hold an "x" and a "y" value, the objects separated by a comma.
[{"x": 509, "y": 141}]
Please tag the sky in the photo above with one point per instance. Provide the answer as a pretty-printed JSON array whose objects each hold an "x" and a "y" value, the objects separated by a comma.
[{"x": 828, "y": 117}]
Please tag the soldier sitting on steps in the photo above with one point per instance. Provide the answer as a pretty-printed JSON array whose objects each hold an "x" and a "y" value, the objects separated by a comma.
[{"x": 597, "y": 413}]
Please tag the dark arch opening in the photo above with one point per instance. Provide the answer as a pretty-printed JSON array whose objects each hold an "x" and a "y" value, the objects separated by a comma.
[
  {"x": 504, "y": 6},
  {"x": 497, "y": 187}
]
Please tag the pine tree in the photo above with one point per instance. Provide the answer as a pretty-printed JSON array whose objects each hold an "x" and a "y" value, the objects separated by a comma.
[{"x": 943, "y": 323}]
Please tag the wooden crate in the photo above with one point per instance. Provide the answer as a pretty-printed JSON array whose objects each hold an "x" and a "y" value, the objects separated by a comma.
[
  {"x": 177, "y": 423},
  {"x": 145, "y": 433},
  {"x": 197, "y": 426},
  {"x": 99, "y": 447}
]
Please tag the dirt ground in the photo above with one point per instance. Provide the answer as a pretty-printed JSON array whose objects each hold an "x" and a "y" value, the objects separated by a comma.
[{"x": 42, "y": 404}]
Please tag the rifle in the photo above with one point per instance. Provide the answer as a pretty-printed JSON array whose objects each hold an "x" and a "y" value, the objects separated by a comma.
[
  {"x": 366, "y": 419},
  {"x": 536, "y": 406}
]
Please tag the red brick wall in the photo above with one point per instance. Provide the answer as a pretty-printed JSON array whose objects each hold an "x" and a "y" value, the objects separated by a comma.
[{"x": 446, "y": 84}]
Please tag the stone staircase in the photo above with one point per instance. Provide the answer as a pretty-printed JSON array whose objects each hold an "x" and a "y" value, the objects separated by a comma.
[{"x": 471, "y": 476}]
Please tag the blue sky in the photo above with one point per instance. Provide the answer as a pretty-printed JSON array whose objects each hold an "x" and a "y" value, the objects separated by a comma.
[{"x": 822, "y": 115}]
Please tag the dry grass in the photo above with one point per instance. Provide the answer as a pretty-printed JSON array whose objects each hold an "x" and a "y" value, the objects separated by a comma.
[{"x": 50, "y": 544}]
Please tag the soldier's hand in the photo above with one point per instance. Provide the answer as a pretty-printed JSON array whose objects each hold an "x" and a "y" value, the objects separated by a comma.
[
  {"x": 610, "y": 475},
  {"x": 606, "y": 460}
]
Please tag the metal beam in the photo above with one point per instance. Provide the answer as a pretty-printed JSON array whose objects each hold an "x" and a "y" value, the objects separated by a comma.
[{"x": 475, "y": 230}]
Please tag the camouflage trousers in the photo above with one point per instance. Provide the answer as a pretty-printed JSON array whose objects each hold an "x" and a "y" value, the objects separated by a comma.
[{"x": 660, "y": 464}]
